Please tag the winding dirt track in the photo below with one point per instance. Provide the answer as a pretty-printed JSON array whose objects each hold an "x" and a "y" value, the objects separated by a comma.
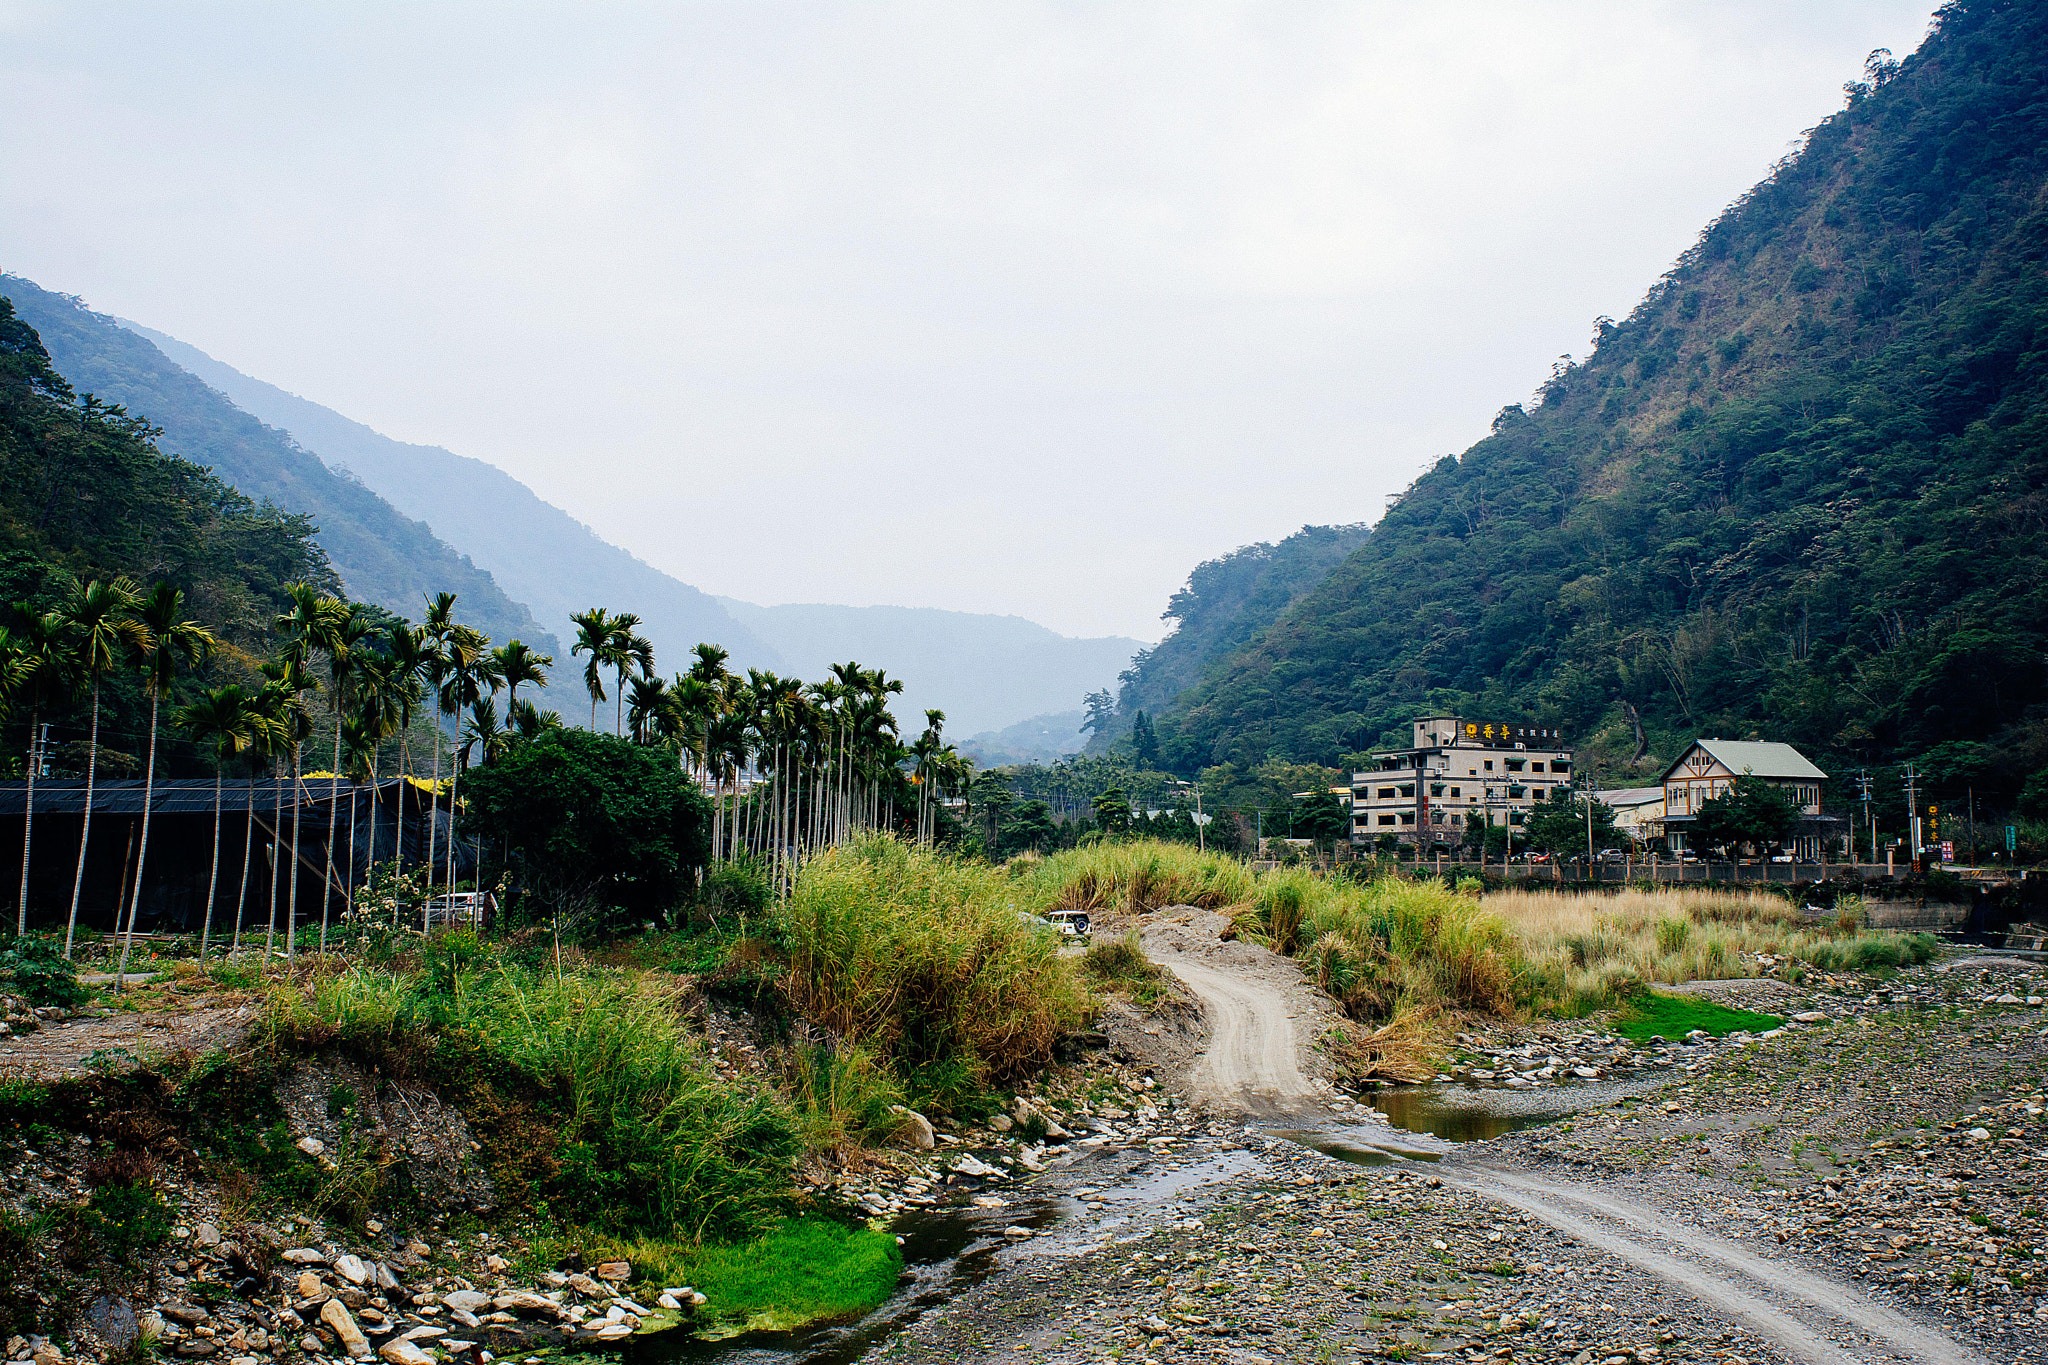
[{"x": 1251, "y": 1064}]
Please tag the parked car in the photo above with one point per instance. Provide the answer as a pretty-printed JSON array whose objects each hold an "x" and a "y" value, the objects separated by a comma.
[
  {"x": 1071, "y": 923},
  {"x": 1611, "y": 855}
]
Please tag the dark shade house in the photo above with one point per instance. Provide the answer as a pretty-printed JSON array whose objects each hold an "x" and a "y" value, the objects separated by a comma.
[{"x": 256, "y": 827}]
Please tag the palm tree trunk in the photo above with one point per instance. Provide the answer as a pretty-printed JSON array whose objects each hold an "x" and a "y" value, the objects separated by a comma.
[
  {"x": 454, "y": 791},
  {"x": 92, "y": 759},
  {"x": 213, "y": 873},
  {"x": 291, "y": 914},
  {"x": 248, "y": 850},
  {"x": 348, "y": 888},
  {"x": 333, "y": 809},
  {"x": 28, "y": 825},
  {"x": 142, "y": 857},
  {"x": 276, "y": 823},
  {"x": 434, "y": 811}
]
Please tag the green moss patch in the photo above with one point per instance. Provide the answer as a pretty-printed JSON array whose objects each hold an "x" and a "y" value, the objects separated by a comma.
[
  {"x": 1655, "y": 1014},
  {"x": 807, "y": 1270}
]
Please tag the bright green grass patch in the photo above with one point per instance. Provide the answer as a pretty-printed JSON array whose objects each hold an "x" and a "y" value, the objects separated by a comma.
[
  {"x": 1673, "y": 1016},
  {"x": 807, "y": 1270}
]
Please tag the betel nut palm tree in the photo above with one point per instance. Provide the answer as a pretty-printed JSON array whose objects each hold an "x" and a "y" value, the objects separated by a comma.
[
  {"x": 228, "y": 721},
  {"x": 343, "y": 641},
  {"x": 102, "y": 632},
  {"x": 593, "y": 637},
  {"x": 175, "y": 644},
  {"x": 312, "y": 624},
  {"x": 626, "y": 650},
  {"x": 517, "y": 665},
  {"x": 49, "y": 681}
]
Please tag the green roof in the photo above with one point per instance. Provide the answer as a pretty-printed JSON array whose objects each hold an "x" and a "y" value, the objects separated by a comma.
[{"x": 1765, "y": 758}]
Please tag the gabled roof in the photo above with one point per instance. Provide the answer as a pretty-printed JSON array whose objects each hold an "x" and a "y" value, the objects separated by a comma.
[
  {"x": 1621, "y": 797},
  {"x": 1765, "y": 758}
]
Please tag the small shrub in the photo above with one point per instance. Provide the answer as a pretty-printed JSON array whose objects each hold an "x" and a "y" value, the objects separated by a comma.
[
  {"x": 1120, "y": 965},
  {"x": 125, "y": 1217},
  {"x": 1672, "y": 934},
  {"x": 734, "y": 890},
  {"x": 34, "y": 967}
]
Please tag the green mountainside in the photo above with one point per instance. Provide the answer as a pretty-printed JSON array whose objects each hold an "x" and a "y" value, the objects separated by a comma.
[
  {"x": 1227, "y": 603},
  {"x": 1797, "y": 493},
  {"x": 381, "y": 556},
  {"x": 494, "y": 519}
]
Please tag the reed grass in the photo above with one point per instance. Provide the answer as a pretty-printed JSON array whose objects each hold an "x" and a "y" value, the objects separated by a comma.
[
  {"x": 932, "y": 963},
  {"x": 1133, "y": 877}
]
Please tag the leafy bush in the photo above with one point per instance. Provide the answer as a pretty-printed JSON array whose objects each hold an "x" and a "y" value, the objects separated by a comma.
[
  {"x": 33, "y": 966},
  {"x": 1120, "y": 964},
  {"x": 736, "y": 889},
  {"x": 925, "y": 959}
]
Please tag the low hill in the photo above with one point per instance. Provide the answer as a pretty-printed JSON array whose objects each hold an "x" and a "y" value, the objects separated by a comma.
[
  {"x": 1799, "y": 492},
  {"x": 1040, "y": 739},
  {"x": 382, "y": 556}
]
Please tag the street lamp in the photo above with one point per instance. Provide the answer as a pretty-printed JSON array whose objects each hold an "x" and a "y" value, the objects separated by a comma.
[{"x": 1201, "y": 835}]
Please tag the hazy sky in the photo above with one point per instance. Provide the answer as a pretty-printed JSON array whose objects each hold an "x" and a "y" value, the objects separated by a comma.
[{"x": 995, "y": 306}]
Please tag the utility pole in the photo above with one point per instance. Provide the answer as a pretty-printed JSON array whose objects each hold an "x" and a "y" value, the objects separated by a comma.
[
  {"x": 1869, "y": 820},
  {"x": 1912, "y": 784}
]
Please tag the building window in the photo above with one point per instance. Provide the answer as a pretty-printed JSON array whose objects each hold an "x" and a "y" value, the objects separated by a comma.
[
  {"x": 1514, "y": 765},
  {"x": 1386, "y": 793},
  {"x": 1536, "y": 767},
  {"x": 1489, "y": 765},
  {"x": 1454, "y": 791},
  {"x": 1407, "y": 817},
  {"x": 1517, "y": 793},
  {"x": 1436, "y": 789},
  {"x": 1436, "y": 817},
  {"x": 1386, "y": 819},
  {"x": 1408, "y": 791},
  {"x": 1514, "y": 817}
]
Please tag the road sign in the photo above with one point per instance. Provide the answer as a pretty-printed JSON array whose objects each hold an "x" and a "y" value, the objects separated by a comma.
[
  {"x": 2012, "y": 838},
  {"x": 1948, "y": 850}
]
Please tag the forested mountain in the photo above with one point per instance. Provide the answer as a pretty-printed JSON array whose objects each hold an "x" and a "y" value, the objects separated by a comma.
[
  {"x": 381, "y": 556},
  {"x": 1037, "y": 739},
  {"x": 85, "y": 495},
  {"x": 1797, "y": 493},
  {"x": 983, "y": 671},
  {"x": 537, "y": 552},
  {"x": 1227, "y": 603}
]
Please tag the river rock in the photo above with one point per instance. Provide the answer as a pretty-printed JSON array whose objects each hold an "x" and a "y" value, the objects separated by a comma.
[
  {"x": 113, "y": 1321},
  {"x": 917, "y": 1130},
  {"x": 351, "y": 1268},
  {"x": 400, "y": 1351},
  {"x": 205, "y": 1235},
  {"x": 305, "y": 1256},
  {"x": 344, "y": 1326},
  {"x": 1809, "y": 1017},
  {"x": 466, "y": 1301},
  {"x": 972, "y": 1166},
  {"x": 616, "y": 1271}
]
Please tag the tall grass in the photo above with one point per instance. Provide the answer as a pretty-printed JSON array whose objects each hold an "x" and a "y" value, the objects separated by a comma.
[
  {"x": 596, "y": 1079},
  {"x": 927, "y": 961},
  {"x": 1592, "y": 949},
  {"x": 1134, "y": 877}
]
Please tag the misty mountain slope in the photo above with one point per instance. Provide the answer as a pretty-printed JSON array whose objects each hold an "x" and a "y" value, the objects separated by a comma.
[
  {"x": 1801, "y": 491},
  {"x": 984, "y": 672},
  {"x": 381, "y": 556},
  {"x": 537, "y": 552},
  {"x": 1228, "y": 602},
  {"x": 1036, "y": 739}
]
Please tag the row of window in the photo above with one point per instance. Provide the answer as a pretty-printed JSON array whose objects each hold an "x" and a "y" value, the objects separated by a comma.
[
  {"x": 1516, "y": 792},
  {"x": 1435, "y": 818}
]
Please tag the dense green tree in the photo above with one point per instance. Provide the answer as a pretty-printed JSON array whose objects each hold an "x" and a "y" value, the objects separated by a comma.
[
  {"x": 1751, "y": 811},
  {"x": 1559, "y": 824},
  {"x": 589, "y": 816},
  {"x": 1030, "y": 827}
]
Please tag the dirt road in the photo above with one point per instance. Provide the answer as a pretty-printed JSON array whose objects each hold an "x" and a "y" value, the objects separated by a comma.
[
  {"x": 1809, "y": 1317},
  {"x": 1262, "y": 1017}
]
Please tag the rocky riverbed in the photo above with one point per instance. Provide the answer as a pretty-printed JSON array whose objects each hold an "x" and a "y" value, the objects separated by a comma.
[{"x": 1892, "y": 1145}]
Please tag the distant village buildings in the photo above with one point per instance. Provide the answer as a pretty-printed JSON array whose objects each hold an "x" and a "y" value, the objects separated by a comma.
[
  {"x": 1461, "y": 772},
  {"x": 1458, "y": 773}
]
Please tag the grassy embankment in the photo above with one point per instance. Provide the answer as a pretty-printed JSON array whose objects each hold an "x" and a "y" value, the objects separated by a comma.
[{"x": 1405, "y": 957}]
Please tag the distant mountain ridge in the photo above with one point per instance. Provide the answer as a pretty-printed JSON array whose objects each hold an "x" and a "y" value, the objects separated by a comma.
[
  {"x": 984, "y": 671},
  {"x": 496, "y": 519},
  {"x": 380, "y": 555}
]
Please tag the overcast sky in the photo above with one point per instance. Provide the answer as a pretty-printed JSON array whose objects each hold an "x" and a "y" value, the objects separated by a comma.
[{"x": 995, "y": 306}]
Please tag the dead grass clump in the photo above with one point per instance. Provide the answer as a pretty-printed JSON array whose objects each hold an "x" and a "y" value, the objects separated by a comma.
[{"x": 1404, "y": 1049}]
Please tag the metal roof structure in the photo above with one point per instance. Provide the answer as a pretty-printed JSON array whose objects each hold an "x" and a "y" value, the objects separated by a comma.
[
  {"x": 1764, "y": 758},
  {"x": 190, "y": 795},
  {"x": 1620, "y": 797}
]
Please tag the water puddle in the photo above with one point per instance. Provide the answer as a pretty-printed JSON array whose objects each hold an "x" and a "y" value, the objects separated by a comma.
[{"x": 1425, "y": 1121}]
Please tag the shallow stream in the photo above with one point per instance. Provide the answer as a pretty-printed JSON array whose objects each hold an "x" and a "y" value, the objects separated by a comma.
[{"x": 947, "y": 1251}]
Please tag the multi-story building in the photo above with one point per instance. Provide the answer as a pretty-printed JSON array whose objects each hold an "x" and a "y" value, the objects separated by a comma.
[
  {"x": 1459, "y": 773},
  {"x": 1709, "y": 768}
]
